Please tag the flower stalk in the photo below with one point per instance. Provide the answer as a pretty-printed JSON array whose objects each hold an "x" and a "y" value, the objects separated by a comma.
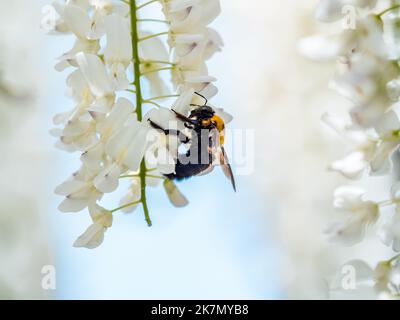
[
  {"x": 388, "y": 10},
  {"x": 157, "y": 70},
  {"x": 139, "y": 100},
  {"x": 126, "y": 206},
  {"x": 153, "y": 36},
  {"x": 145, "y": 4}
]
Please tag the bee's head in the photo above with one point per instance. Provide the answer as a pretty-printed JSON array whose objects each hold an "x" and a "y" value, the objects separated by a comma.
[
  {"x": 202, "y": 113},
  {"x": 209, "y": 119}
]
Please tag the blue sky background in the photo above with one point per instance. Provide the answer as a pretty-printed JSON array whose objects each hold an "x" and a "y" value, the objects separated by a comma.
[{"x": 222, "y": 246}]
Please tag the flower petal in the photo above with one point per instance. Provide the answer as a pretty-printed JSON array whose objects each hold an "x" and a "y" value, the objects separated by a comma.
[
  {"x": 119, "y": 44},
  {"x": 70, "y": 186},
  {"x": 77, "y": 20},
  {"x": 108, "y": 180},
  {"x": 94, "y": 71},
  {"x": 174, "y": 194},
  {"x": 92, "y": 237}
]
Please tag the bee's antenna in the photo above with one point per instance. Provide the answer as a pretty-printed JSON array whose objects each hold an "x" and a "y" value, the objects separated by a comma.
[{"x": 200, "y": 95}]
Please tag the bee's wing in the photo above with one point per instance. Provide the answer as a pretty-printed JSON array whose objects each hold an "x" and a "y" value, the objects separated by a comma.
[
  {"x": 226, "y": 167},
  {"x": 219, "y": 150},
  {"x": 207, "y": 171}
]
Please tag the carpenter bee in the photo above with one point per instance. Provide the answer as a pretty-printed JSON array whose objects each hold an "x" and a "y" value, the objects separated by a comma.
[{"x": 206, "y": 143}]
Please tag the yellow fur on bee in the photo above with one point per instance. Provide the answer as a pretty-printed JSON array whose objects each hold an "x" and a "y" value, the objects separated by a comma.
[{"x": 220, "y": 124}]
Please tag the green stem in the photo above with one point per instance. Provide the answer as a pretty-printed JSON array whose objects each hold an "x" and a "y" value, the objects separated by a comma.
[
  {"x": 158, "y": 61},
  {"x": 153, "y": 20},
  {"x": 136, "y": 65},
  {"x": 157, "y": 70},
  {"x": 394, "y": 258},
  {"x": 129, "y": 176},
  {"x": 155, "y": 177},
  {"x": 163, "y": 97},
  {"x": 385, "y": 203},
  {"x": 143, "y": 170},
  {"x": 126, "y": 206},
  {"x": 154, "y": 36},
  {"x": 145, "y": 4},
  {"x": 388, "y": 10},
  {"x": 137, "y": 176},
  {"x": 153, "y": 103}
]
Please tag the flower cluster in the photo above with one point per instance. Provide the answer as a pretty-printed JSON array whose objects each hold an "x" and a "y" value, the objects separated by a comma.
[
  {"x": 115, "y": 57},
  {"x": 367, "y": 52}
]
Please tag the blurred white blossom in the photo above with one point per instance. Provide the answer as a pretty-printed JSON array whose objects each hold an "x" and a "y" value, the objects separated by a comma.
[
  {"x": 367, "y": 75},
  {"x": 381, "y": 282},
  {"x": 361, "y": 213}
]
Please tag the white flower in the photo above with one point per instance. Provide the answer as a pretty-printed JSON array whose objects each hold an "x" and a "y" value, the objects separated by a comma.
[
  {"x": 118, "y": 51},
  {"x": 79, "y": 191},
  {"x": 374, "y": 152},
  {"x": 352, "y": 166},
  {"x": 93, "y": 155},
  {"x": 108, "y": 179},
  {"x": 361, "y": 213},
  {"x": 78, "y": 89},
  {"x": 128, "y": 146},
  {"x": 321, "y": 48},
  {"x": 391, "y": 29},
  {"x": 94, "y": 235},
  {"x": 101, "y": 10},
  {"x": 366, "y": 41},
  {"x": 187, "y": 15},
  {"x": 150, "y": 51},
  {"x": 133, "y": 195},
  {"x": 197, "y": 79},
  {"x": 115, "y": 120},
  {"x": 393, "y": 89},
  {"x": 78, "y": 133},
  {"x": 193, "y": 43},
  {"x": 360, "y": 285},
  {"x": 87, "y": 21},
  {"x": 390, "y": 231},
  {"x": 388, "y": 130},
  {"x": 98, "y": 80},
  {"x": 76, "y": 20},
  {"x": 193, "y": 49}
]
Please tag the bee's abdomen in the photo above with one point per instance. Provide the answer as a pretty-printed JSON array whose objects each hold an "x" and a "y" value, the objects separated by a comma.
[
  {"x": 184, "y": 171},
  {"x": 194, "y": 162}
]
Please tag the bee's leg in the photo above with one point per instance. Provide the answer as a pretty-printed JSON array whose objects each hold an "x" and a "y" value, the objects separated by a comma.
[
  {"x": 155, "y": 125},
  {"x": 184, "y": 118},
  {"x": 188, "y": 126},
  {"x": 182, "y": 137}
]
